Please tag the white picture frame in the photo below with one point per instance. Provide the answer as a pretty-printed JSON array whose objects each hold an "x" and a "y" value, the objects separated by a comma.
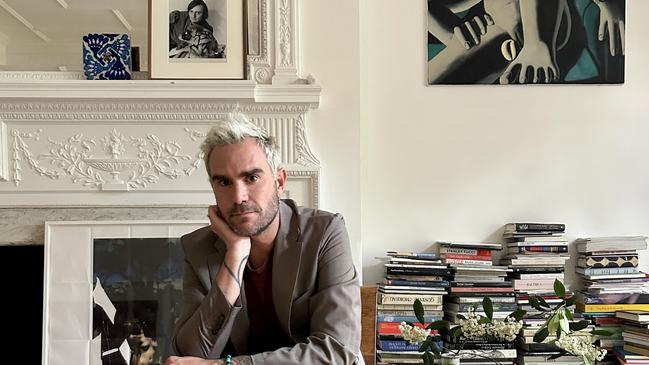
[
  {"x": 68, "y": 281},
  {"x": 225, "y": 18}
]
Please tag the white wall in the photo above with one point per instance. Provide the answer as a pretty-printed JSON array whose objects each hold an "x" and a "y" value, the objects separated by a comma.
[
  {"x": 456, "y": 163},
  {"x": 329, "y": 51}
]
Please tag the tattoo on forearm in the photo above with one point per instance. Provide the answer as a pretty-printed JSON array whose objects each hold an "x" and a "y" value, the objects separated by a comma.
[
  {"x": 236, "y": 276},
  {"x": 242, "y": 360}
]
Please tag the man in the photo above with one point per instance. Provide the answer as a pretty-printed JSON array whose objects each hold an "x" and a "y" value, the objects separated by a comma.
[{"x": 268, "y": 282}]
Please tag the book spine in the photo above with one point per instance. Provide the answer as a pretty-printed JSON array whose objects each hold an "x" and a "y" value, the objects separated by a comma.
[
  {"x": 588, "y": 308},
  {"x": 417, "y": 271},
  {"x": 481, "y": 346},
  {"x": 396, "y": 345},
  {"x": 414, "y": 255},
  {"x": 465, "y": 257},
  {"x": 538, "y": 249},
  {"x": 481, "y": 289},
  {"x": 497, "y": 307},
  {"x": 411, "y": 318},
  {"x": 408, "y": 307},
  {"x": 409, "y": 299},
  {"x": 535, "y": 227},
  {"x": 493, "y": 353},
  {"x": 607, "y": 261},
  {"x": 428, "y": 284},
  {"x": 521, "y": 284},
  {"x": 392, "y": 328},
  {"x": 607, "y": 271},
  {"x": 469, "y": 262},
  {"x": 468, "y": 300},
  {"x": 465, "y": 251}
]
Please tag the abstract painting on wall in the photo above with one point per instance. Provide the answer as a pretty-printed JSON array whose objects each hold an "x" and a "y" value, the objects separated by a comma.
[{"x": 526, "y": 41}]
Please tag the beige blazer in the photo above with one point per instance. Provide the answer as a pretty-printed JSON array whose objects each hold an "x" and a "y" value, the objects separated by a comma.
[{"x": 316, "y": 292}]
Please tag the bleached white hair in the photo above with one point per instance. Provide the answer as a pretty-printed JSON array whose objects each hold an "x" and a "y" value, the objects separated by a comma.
[{"x": 234, "y": 129}]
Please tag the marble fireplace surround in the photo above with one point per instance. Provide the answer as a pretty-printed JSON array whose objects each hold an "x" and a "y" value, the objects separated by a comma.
[{"x": 72, "y": 149}]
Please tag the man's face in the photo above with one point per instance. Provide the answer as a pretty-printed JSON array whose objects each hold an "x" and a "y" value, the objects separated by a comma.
[
  {"x": 246, "y": 192},
  {"x": 196, "y": 13}
]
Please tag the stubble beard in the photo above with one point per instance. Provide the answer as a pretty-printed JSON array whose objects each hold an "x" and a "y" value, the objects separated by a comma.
[{"x": 266, "y": 217}]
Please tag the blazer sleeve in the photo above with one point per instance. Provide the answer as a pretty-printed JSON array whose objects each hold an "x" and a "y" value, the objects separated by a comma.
[
  {"x": 206, "y": 319},
  {"x": 334, "y": 308}
]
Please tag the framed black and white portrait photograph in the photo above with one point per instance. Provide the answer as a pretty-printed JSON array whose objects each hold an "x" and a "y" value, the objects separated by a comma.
[{"x": 196, "y": 39}]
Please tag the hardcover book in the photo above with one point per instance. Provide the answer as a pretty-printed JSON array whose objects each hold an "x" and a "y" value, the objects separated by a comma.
[{"x": 534, "y": 227}]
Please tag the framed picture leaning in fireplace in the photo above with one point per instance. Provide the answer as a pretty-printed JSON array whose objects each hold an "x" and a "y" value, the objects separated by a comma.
[
  {"x": 112, "y": 291},
  {"x": 196, "y": 39}
]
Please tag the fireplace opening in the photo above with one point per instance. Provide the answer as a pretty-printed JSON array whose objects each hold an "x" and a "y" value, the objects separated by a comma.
[{"x": 21, "y": 270}]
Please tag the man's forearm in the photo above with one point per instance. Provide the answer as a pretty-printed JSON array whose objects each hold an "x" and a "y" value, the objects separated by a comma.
[{"x": 230, "y": 276}]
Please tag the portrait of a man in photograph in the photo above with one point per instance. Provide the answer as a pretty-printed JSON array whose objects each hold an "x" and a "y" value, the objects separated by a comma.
[{"x": 197, "y": 28}]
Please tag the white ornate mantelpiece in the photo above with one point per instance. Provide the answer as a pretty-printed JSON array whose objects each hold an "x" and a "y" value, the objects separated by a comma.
[{"x": 67, "y": 142}]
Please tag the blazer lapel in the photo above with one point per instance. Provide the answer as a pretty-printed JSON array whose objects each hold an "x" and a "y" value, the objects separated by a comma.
[{"x": 286, "y": 264}]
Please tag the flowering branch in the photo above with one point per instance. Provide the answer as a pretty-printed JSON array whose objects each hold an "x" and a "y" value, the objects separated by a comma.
[
  {"x": 569, "y": 335},
  {"x": 559, "y": 321},
  {"x": 473, "y": 327}
]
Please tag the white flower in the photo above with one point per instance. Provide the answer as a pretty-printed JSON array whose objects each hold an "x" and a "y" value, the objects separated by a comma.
[
  {"x": 413, "y": 334},
  {"x": 581, "y": 344},
  {"x": 471, "y": 328},
  {"x": 505, "y": 330}
]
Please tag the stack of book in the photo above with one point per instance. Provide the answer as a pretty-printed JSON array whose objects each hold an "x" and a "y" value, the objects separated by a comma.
[
  {"x": 474, "y": 278},
  {"x": 467, "y": 253},
  {"x": 535, "y": 245},
  {"x": 536, "y": 254},
  {"x": 612, "y": 281},
  {"x": 630, "y": 358},
  {"x": 635, "y": 325},
  {"x": 409, "y": 276}
]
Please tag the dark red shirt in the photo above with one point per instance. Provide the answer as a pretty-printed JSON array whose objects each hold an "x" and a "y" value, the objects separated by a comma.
[{"x": 266, "y": 333}]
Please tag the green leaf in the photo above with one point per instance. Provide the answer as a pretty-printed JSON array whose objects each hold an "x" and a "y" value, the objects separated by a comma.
[
  {"x": 488, "y": 307},
  {"x": 564, "y": 326},
  {"x": 518, "y": 314},
  {"x": 559, "y": 289},
  {"x": 571, "y": 301},
  {"x": 429, "y": 359},
  {"x": 455, "y": 331},
  {"x": 461, "y": 316},
  {"x": 484, "y": 320},
  {"x": 534, "y": 302},
  {"x": 543, "y": 302},
  {"x": 410, "y": 324},
  {"x": 568, "y": 314},
  {"x": 577, "y": 326},
  {"x": 553, "y": 323},
  {"x": 541, "y": 335},
  {"x": 434, "y": 348},
  {"x": 601, "y": 333},
  {"x": 419, "y": 310},
  {"x": 425, "y": 345},
  {"x": 438, "y": 325}
]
